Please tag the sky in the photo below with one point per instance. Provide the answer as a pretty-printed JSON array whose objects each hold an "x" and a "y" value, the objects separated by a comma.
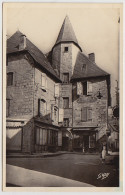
[{"x": 96, "y": 28}]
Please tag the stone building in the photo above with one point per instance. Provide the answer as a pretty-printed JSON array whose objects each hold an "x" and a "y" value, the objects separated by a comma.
[{"x": 57, "y": 101}]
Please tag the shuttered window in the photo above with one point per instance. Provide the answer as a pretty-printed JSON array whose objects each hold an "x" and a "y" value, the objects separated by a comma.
[
  {"x": 42, "y": 107},
  {"x": 9, "y": 78},
  {"x": 66, "y": 102},
  {"x": 86, "y": 114},
  {"x": 84, "y": 88}
]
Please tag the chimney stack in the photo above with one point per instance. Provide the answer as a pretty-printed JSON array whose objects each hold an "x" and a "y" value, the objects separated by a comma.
[
  {"x": 22, "y": 44},
  {"x": 92, "y": 57}
]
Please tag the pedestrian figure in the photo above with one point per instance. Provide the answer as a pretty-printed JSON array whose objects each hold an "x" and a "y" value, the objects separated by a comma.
[{"x": 103, "y": 154}]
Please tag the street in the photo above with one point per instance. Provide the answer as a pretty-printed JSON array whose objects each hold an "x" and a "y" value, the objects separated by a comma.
[{"x": 76, "y": 167}]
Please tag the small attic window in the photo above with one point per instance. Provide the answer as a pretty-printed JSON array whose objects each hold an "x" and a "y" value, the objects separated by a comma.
[
  {"x": 66, "y": 49},
  {"x": 83, "y": 68}
]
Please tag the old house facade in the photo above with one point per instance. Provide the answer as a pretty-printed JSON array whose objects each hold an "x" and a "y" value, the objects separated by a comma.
[{"x": 57, "y": 101}]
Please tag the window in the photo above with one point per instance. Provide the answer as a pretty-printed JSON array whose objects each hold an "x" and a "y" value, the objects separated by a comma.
[
  {"x": 9, "y": 78},
  {"x": 7, "y": 107},
  {"x": 86, "y": 114},
  {"x": 83, "y": 68},
  {"x": 66, "y": 49},
  {"x": 42, "y": 107},
  {"x": 85, "y": 88},
  {"x": 66, "y": 122},
  {"x": 66, "y": 77},
  {"x": 66, "y": 102},
  {"x": 46, "y": 137}
]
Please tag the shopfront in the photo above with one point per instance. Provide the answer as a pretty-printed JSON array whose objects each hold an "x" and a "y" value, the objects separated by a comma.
[
  {"x": 84, "y": 140},
  {"x": 47, "y": 138}
]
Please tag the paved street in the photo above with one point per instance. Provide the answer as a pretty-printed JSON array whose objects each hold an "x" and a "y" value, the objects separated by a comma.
[{"x": 74, "y": 167}]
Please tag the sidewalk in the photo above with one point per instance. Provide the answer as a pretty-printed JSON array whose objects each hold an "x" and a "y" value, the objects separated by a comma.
[
  {"x": 30, "y": 178},
  {"x": 42, "y": 155}
]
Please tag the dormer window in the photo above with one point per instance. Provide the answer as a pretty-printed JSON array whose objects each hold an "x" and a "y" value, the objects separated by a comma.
[
  {"x": 83, "y": 68},
  {"x": 66, "y": 49}
]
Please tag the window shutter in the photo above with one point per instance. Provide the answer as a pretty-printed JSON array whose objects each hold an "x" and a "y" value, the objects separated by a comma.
[
  {"x": 41, "y": 136},
  {"x": 46, "y": 84},
  {"x": 79, "y": 88},
  {"x": 37, "y": 135},
  {"x": 89, "y": 88},
  {"x": 84, "y": 114},
  {"x": 61, "y": 114},
  {"x": 38, "y": 107},
  {"x": 43, "y": 81},
  {"x": 52, "y": 112},
  {"x": 56, "y": 89},
  {"x": 89, "y": 114},
  {"x": 59, "y": 138}
]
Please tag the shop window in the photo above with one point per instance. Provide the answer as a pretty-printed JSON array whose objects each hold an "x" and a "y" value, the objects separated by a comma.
[
  {"x": 92, "y": 141},
  {"x": 66, "y": 122},
  {"x": 66, "y": 49},
  {"x": 65, "y": 77},
  {"x": 65, "y": 102},
  {"x": 7, "y": 107},
  {"x": 86, "y": 114},
  {"x": 46, "y": 137},
  {"x": 9, "y": 78}
]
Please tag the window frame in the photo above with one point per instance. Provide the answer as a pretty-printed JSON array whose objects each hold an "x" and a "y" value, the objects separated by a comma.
[
  {"x": 65, "y": 121},
  {"x": 66, "y": 49}
]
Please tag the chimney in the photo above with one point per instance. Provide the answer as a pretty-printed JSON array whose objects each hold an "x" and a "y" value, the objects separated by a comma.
[
  {"x": 22, "y": 44},
  {"x": 92, "y": 57}
]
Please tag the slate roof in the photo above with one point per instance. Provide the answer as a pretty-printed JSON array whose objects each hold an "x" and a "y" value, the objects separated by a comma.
[
  {"x": 38, "y": 56},
  {"x": 67, "y": 34},
  {"x": 90, "y": 69}
]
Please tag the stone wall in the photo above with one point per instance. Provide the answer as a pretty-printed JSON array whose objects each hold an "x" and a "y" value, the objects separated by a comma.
[
  {"x": 21, "y": 92},
  {"x": 98, "y": 106},
  {"x": 48, "y": 95}
]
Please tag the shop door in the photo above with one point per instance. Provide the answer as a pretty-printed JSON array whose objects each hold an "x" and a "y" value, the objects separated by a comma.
[
  {"x": 86, "y": 142},
  {"x": 13, "y": 139}
]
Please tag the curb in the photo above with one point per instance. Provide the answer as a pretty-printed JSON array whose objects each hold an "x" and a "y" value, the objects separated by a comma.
[{"x": 45, "y": 155}]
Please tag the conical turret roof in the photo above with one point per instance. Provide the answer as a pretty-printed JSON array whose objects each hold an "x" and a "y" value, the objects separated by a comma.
[{"x": 67, "y": 34}]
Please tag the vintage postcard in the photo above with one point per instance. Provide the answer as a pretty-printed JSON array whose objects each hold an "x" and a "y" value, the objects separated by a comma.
[{"x": 62, "y": 92}]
